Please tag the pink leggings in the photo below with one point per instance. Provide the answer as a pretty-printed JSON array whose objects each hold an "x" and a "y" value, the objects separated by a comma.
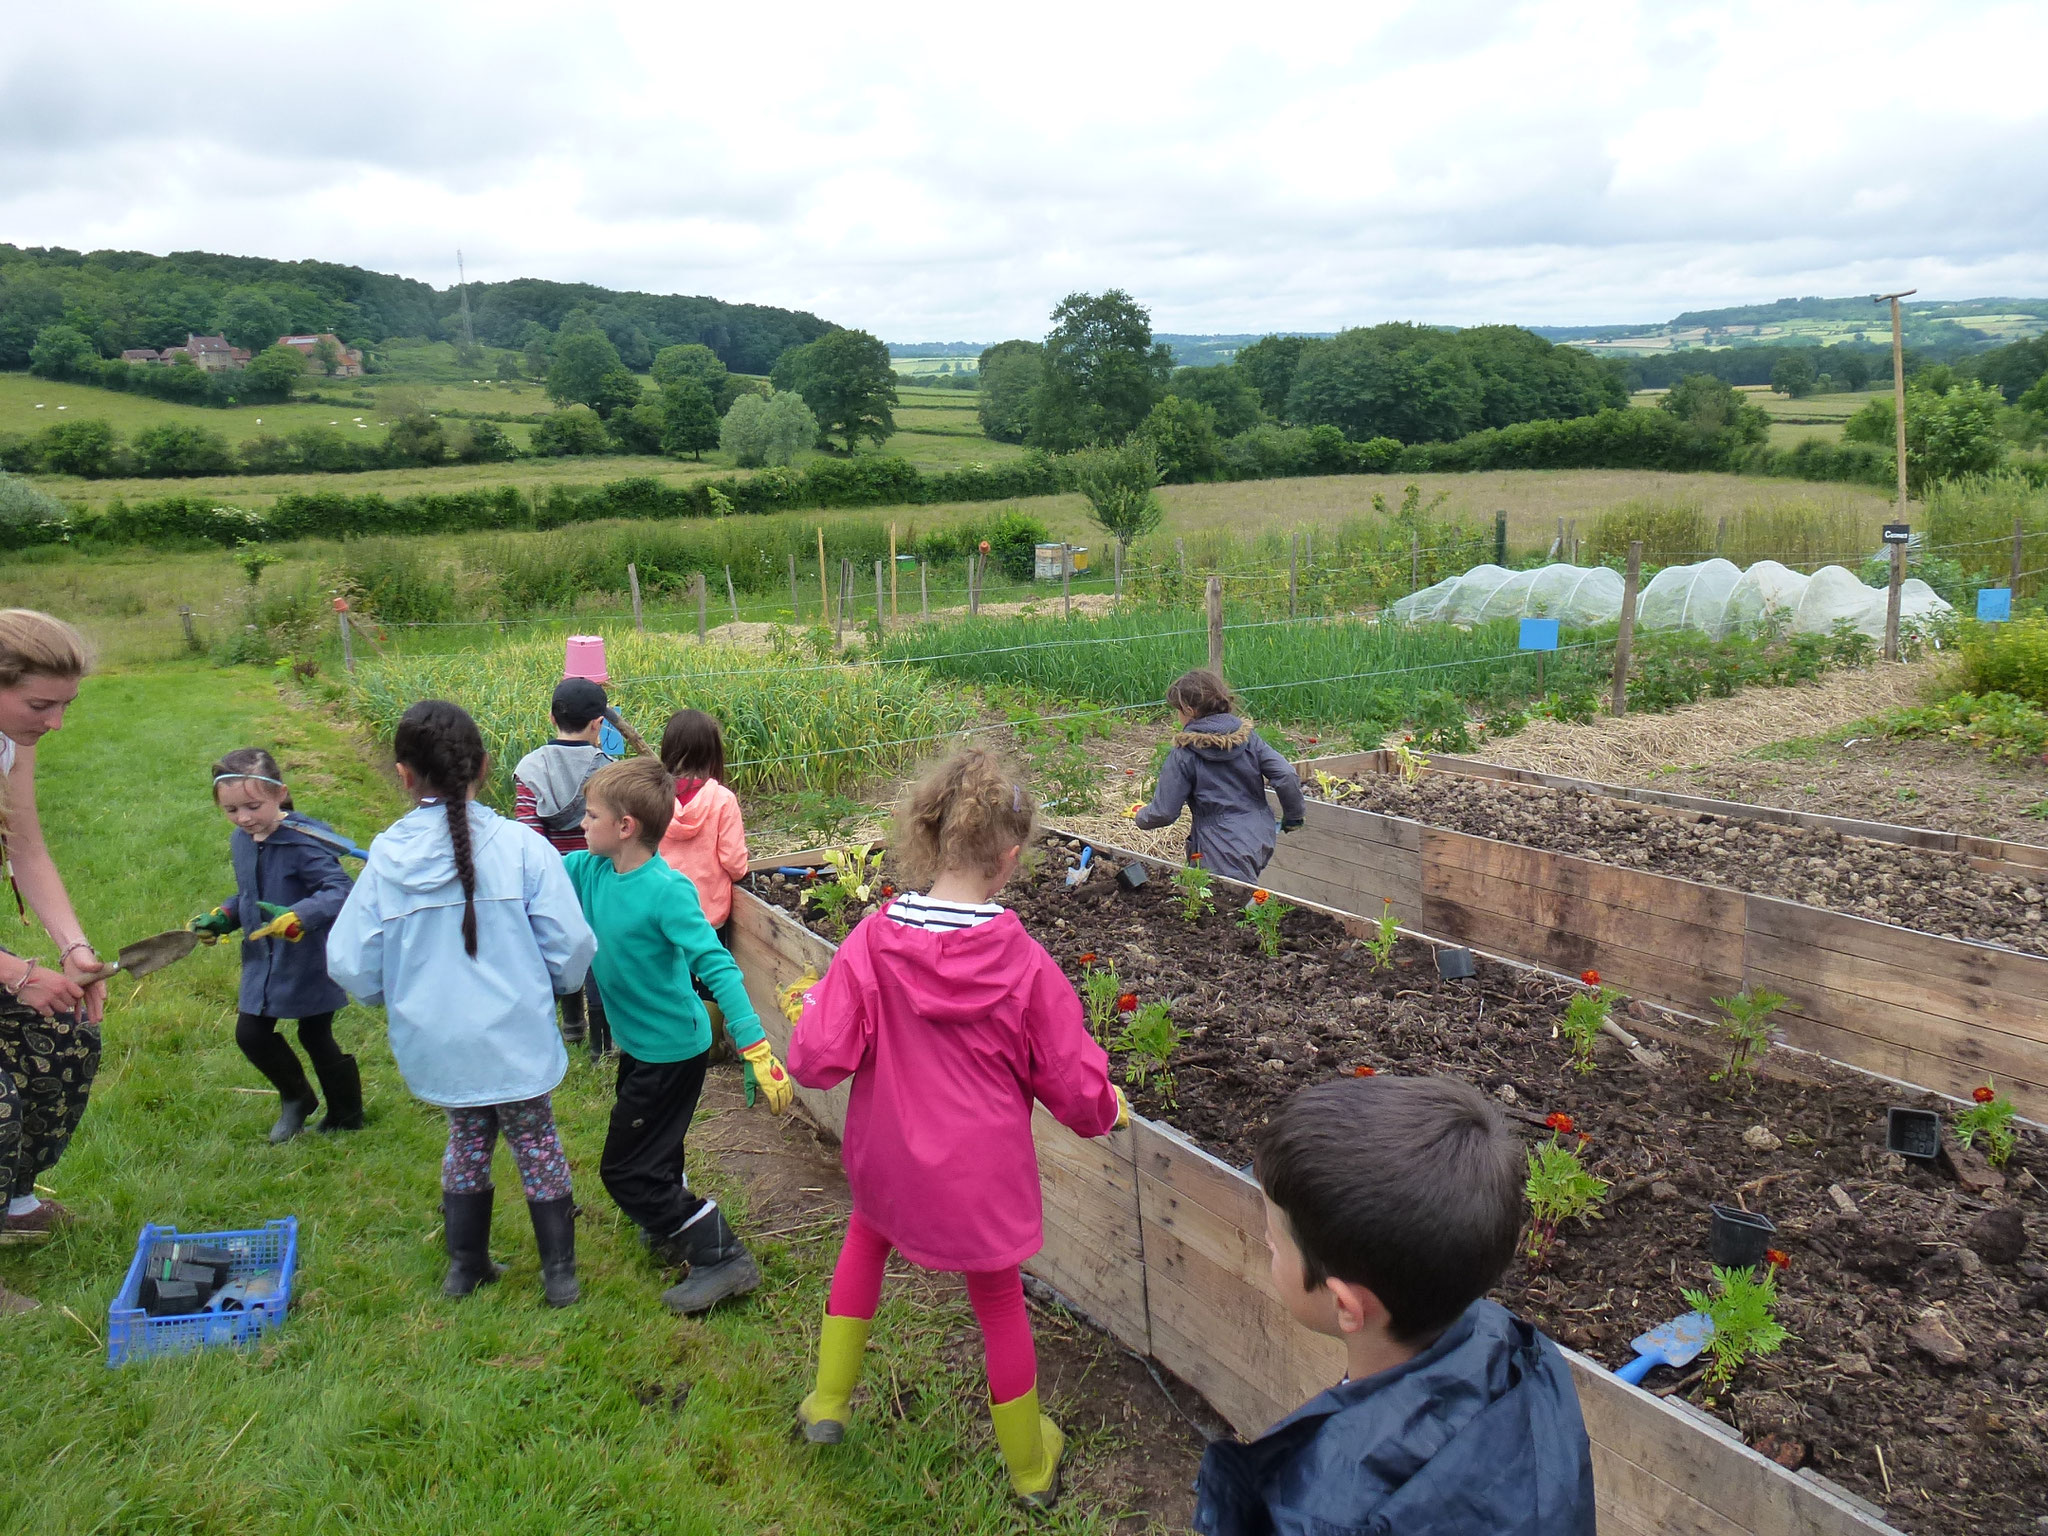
[{"x": 997, "y": 1296}]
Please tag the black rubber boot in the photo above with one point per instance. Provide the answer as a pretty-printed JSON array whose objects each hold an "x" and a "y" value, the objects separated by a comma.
[
  {"x": 466, "y": 1226},
  {"x": 720, "y": 1266},
  {"x": 342, "y": 1082},
  {"x": 572, "y": 1016},
  {"x": 276, "y": 1060},
  {"x": 600, "y": 1028},
  {"x": 554, "y": 1233}
]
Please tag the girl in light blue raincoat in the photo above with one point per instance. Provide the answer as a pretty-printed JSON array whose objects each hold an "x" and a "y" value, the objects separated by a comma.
[{"x": 465, "y": 928}]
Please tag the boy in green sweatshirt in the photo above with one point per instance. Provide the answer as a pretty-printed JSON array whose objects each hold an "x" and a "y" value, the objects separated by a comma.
[{"x": 652, "y": 938}]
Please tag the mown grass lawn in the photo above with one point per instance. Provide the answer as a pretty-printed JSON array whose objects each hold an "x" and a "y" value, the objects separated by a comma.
[{"x": 380, "y": 1406}]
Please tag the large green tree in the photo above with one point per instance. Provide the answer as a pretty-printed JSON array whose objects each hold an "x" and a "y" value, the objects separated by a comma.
[
  {"x": 273, "y": 374},
  {"x": 1951, "y": 429},
  {"x": 586, "y": 371},
  {"x": 1794, "y": 375},
  {"x": 1401, "y": 381},
  {"x": 1268, "y": 366},
  {"x": 1714, "y": 406},
  {"x": 250, "y": 317},
  {"x": 848, "y": 382},
  {"x": 1118, "y": 483},
  {"x": 1102, "y": 372},
  {"x": 1225, "y": 390},
  {"x": 689, "y": 416},
  {"x": 62, "y": 352},
  {"x": 1182, "y": 434},
  {"x": 1009, "y": 373}
]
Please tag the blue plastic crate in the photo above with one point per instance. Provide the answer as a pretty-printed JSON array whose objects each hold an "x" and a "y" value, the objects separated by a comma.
[{"x": 132, "y": 1334}]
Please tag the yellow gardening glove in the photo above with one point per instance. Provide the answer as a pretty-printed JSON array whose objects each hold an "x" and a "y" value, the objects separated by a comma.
[
  {"x": 766, "y": 1076},
  {"x": 1131, "y": 812},
  {"x": 792, "y": 996},
  {"x": 1123, "y": 1108},
  {"x": 284, "y": 924}
]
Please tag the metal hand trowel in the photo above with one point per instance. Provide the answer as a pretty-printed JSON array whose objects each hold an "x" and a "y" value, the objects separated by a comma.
[
  {"x": 154, "y": 952},
  {"x": 1675, "y": 1343}
]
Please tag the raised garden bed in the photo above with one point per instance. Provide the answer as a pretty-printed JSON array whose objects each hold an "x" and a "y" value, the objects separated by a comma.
[
  {"x": 1926, "y": 1009},
  {"x": 1166, "y": 1248}
]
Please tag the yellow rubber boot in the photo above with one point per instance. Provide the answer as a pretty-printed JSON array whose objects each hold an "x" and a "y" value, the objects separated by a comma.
[
  {"x": 1031, "y": 1445},
  {"x": 841, "y": 1343}
]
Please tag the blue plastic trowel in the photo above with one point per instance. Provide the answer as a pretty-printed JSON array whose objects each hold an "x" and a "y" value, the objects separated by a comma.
[{"x": 1675, "y": 1343}]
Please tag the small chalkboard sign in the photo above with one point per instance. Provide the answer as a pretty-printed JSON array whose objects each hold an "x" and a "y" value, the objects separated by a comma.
[
  {"x": 1898, "y": 533},
  {"x": 1539, "y": 635},
  {"x": 1994, "y": 605}
]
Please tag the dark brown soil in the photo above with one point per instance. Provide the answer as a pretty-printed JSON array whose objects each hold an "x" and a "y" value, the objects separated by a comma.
[
  {"x": 1914, "y": 783},
  {"x": 1965, "y": 1445},
  {"x": 1914, "y": 888}
]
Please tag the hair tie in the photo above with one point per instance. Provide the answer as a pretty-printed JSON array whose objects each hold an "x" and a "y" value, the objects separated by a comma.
[{"x": 260, "y": 778}]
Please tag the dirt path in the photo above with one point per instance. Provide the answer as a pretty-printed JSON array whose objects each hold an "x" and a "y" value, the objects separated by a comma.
[{"x": 1132, "y": 1449}]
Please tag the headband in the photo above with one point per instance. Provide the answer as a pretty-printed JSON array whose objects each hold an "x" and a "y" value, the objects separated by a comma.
[{"x": 260, "y": 778}]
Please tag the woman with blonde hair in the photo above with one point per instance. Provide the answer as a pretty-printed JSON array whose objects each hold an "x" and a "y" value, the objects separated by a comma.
[{"x": 49, "y": 1017}]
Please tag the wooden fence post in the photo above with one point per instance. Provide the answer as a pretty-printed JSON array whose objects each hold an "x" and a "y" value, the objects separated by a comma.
[
  {"x": 732, "y": 596},
  {"x": 1216, "y": 625},
  {"x": 824, "y": 597},
  {"x": 2018, "y": 537},
  {"x": 701, "y": 588},
  {"x": 348, "y": 650},
  {"x": 1414, "y": 562},
  {"x": 192, "y": 635},
  {"x": 1500, "y": 537},
  {"x": 633, "y": 581},
  {"x": 845, "y": 581},
  {"x": 892, "y": 571},
  {"x": 881, "y": 613},
  {"x": 796, "y": 614},
  {"x": 1293, "y": 572},
  {"x": 973, "y": 584},
  {"x": 1066, "y": 585},
  {"x": 1181, "y": 548},
  {"x": 1117, "y": 555},
  {"x": 1891, "y": 603},
  {"x": 1558, "y": 555},
  {"x": 924, "y": 590},
  {"x": 1618, "y": 705}
]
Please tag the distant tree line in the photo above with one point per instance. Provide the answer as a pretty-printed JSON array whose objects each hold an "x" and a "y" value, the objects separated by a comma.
[{"x": 123, "y": 299}]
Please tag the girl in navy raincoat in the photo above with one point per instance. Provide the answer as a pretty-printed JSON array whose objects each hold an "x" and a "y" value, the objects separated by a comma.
[
  {"x": 1219, "y": 770},
  {"x": 289, "y": 887}
]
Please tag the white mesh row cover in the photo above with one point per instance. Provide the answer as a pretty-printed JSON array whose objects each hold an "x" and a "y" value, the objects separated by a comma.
[{"x": 1715, "y": 596}]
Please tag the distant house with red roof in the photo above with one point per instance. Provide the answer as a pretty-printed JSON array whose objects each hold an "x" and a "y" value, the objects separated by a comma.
[
  {"x": 215, "y": 353},
  {"x": 141, "y": 355},
  {"x": 348, "y": 360}
]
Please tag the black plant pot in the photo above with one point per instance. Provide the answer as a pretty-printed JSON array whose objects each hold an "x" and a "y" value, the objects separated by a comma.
[
  {"x": 1913, "y": 1133},
  {"x": 1738, "y": 1238},
  {"x": 1454, "y": 964},
  {"x": 1132, "y": 875}
]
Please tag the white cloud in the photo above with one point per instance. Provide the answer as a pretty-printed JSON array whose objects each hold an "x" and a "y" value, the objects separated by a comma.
[{"x": 955, "y": 174}]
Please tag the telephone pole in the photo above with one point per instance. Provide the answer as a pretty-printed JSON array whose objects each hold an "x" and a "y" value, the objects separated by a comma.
[
  {"x": 1898, "y": 387},
  {"x": 469, "y": 336}
]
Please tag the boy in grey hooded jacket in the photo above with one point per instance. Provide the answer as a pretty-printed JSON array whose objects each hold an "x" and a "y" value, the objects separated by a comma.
[{"x": 1220, "y": 769}]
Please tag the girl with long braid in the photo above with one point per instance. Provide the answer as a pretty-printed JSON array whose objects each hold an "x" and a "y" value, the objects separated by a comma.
[{"x": 465, "y": 928}]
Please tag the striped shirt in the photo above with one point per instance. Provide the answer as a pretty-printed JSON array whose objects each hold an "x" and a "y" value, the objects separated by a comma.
[{"x": 915, "y": 911}]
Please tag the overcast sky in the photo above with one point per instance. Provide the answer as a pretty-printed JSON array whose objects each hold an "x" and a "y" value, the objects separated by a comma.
[{"x": 949, "y": 172}]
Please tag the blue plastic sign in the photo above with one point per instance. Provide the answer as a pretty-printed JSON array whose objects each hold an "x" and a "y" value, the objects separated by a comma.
[
  {"x": 610, "y": 742},
  {"x": 1994, "y": 604},
  {"x": 1539, "y": 634}
]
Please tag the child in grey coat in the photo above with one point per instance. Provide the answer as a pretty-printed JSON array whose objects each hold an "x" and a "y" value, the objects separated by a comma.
[{"x": 1220, "y": 769}]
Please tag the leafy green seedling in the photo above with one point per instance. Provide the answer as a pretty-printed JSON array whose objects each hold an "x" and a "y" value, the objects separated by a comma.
[
  {"x": 1745, "y": 1315},
  {"x": 1746, "y": 1026},
  {"x": 1584, "y": 1018},
  {"x": 1149, "y": 1039},
  {"x": 1381, "y": 945},
  {"x": 1559, "y": 1188},
  {"x": 1990, "y": 1117},
  {"x": 856, "y": 876},
  {"x": 1100, "y": 988},
  {"x": 1262, "y": 914},
  {"x": 1196, "y": 893}
]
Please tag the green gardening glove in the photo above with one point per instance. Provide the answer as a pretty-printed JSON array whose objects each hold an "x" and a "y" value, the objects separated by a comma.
[
  {"x": 281, "y": 923},
  {"x": 212, "y": 927}
]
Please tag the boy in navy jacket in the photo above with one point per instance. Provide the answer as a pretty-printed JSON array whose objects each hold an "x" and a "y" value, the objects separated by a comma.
[{"x": 1392, "y": 1206}]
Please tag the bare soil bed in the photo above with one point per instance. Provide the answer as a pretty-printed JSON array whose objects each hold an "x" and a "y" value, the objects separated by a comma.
[
  {"x": 1915, "y": 783},
  {"x": 1913, "y": 888},
  {"x": 1873, "y": 1271}
]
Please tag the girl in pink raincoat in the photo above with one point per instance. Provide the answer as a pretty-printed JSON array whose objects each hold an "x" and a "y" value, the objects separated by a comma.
[{"x": 951, "y": 1020}]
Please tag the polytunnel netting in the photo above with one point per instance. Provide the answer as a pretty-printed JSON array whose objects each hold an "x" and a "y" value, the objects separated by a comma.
[{"x": 1715, "y": 596}]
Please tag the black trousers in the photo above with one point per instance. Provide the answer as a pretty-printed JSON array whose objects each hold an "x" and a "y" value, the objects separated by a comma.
[
  {"x": 642, "y": 1166},
  {"x": 46, "y": 1072}
]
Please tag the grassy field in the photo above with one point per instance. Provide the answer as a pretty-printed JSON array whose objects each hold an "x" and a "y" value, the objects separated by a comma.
[{"x": 379, "y": 1406}]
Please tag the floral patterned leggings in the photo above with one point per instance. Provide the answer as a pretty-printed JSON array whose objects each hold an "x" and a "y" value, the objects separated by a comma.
[{"x": 529, "y": 1127}]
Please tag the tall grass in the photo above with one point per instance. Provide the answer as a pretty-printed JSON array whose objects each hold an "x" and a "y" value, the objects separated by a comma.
[
  {"x": 1312, "y": 671},
  {"x": 788, "y": 722},
  {"x": 1672, "y": 531},
  {"x": 1801, "y": 534},
  {"x": 1972, "y": 519}
]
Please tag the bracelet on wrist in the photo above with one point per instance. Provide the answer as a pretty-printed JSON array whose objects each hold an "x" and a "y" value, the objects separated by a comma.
[
  {"x": 78, "y": 943},
  {"x": 27, "y": 975}
]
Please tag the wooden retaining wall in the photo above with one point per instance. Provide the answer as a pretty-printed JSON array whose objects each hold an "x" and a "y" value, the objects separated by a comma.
[
  {"x": 1164, "y": 1246},
  {"x": 1924, "y": 1009}
]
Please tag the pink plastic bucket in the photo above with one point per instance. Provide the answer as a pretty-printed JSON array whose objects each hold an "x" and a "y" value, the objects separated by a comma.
[{"x": 584, "y": 657}]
